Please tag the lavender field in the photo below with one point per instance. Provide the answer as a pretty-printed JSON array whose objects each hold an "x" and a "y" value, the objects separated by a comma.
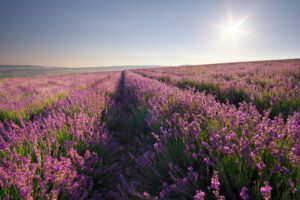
[{"x": 224, "y": 131}]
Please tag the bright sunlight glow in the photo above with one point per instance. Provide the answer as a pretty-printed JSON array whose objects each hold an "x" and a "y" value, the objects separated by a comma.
[{"x": 232, "y": 30}]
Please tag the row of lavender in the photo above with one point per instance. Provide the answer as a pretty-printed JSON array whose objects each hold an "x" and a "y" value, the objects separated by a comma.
[
  {"x": 273, "y": 84},
  {"x": 20, "y": 98},
  {"x": 206, "y": 150},
  {"x": 60, "y": 153},
  {"x": 199, "y": 148}
]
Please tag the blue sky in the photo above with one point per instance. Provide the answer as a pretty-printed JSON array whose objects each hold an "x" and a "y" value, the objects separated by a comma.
[{"x": 79, "y": 33}]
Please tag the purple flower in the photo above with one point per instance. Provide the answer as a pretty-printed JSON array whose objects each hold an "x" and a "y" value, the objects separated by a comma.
[
  {"x": 215, "y": 181},
  {"x": 146, "y": 194},
  {"x": 207, "y": 161},
  {"x": 244, "y": 193},
  {"x": 292, "y": 186},
  {"x": 194, "y": 156},
  {"x": 199, "y": 195},
  {"x": 260, "y": 165},
  {"x": 156, "y": 146},
  {"x": 266, "y": 190}
]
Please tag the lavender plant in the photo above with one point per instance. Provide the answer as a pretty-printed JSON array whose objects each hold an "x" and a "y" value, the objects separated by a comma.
[{"x": 267, "y": 85}]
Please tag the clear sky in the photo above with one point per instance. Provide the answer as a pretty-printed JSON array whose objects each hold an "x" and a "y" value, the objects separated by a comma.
[{"x": 78, "y": 33}]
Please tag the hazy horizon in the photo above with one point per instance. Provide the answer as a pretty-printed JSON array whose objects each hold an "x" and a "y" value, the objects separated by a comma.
[
  {"x": 168, "y": 33},
  {"x": 141, "y": 66}
]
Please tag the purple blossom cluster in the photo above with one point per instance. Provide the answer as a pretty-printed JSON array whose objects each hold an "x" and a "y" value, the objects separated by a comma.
[
  {"x": 232, "y": 151},
  {"x": 269, "y": 84},
  {"x": 23, "y": 97},
  {"x": 54, "y": 155}
]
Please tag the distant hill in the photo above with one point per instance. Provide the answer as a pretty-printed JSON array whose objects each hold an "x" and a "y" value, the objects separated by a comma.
[{"x": 10, "y": 71}]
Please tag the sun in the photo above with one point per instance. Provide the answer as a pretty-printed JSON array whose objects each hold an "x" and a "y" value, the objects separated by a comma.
[{"x": 232, "y": 30}]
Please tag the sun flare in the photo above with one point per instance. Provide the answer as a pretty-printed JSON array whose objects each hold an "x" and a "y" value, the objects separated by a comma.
[{"x": 232, "y": 30}]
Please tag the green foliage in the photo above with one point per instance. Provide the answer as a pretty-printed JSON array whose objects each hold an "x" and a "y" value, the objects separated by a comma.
[
  {"x": 11, "y": 192},
  {"x": 48, "y": 101},
  {"x": 3, "y": 154},
  {"x": 12, "y": 116},
  {"x": 164, "y": 79},
  {"x": 138, "y": 117},
  {"x": 73, "y": 110},
  {"x": 80, "y": 147},
  {"x": 234, "y": 96},
  {"x": 297, "y": 74},
  {"x": 263, "y": 102},
  {"x": 208, "y": 87},
  {"x": 158, "y": 172},
  {"x": 31, "y": 110},
  {"x": 25, "y": 150},
  {"x": 109, "y": 94},
  {"x": 62, "y": 136},
  {"x": 235, "y": 173},
  {"x": 285, "y": 107}
]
